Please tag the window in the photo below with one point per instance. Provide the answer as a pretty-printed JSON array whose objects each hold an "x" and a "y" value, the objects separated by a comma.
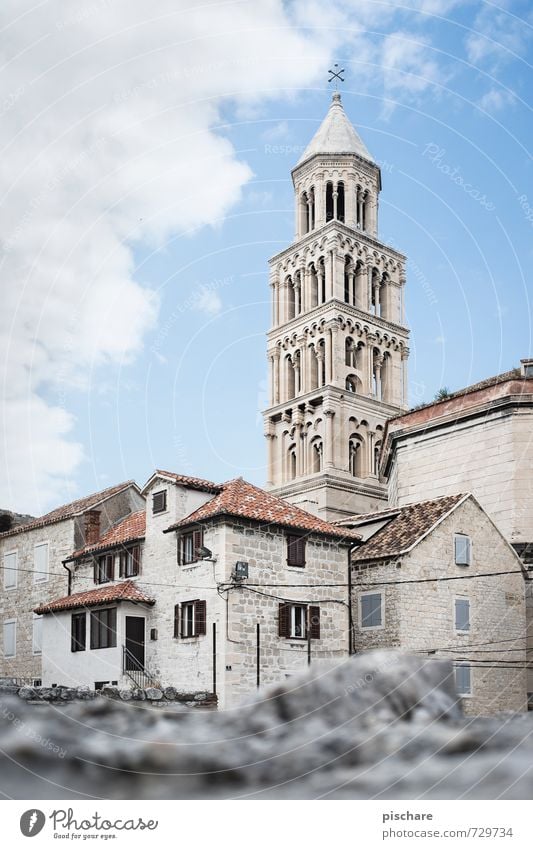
[
  {"x": 159, "y": 501},
  {"x": 10, "y": 570},
  {"x": 10, "y": 638},
  {"x": 295, "y": 550},
  {"x": 40, "y": 563},
  {"x": 293, "y": 621},
  {"x": 37, "y": 634},
  {"x": 463, "y": 679},
  {"x": 462, "y": 614},
  {"x": 463, "y": 550},
  {"x": 190, "y": 619},
  {"x": 188, "y": 545},
  {"x": 129, "y": 562},
  {"x": 104, "y": 569},
  {"x": 371, "y": 610},
  {"x": 104, "y": 628},
  {"x": 78, "y": 632}
]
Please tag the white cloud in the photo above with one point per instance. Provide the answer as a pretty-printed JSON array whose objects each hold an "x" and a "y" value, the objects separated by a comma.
[
  {"x": 208, "y": 301},
  {"x": 495, "y": 99},
  {"x": 498, "y": 37},
  {"x": 107, "y": 113}
]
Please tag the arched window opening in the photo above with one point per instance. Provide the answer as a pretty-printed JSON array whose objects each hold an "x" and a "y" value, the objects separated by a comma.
[
  {"x": 340, "y": 201},
  {"x": 303, "y": 213},
  {"x": 386, "y": 375},
  {"x": 329, "y": 201},
  {"x": 321, "y": 351},
  {"x": 348, "y": 279},
  {"x": 358, "y": 207},
  {"x": 290, "y": 378},
  {"x": 364, "y": 211},
  {"x": 351, "y": 383},
  {"x": 316, "y": 456},
  {"x": 313, "y": 368},
  {"x": 312, "y": 208},
  {"x": 322, "y": 282},
  {"x": 349, "y": 352},
  {"x": 360, "y": 287},
  {"x": 291, "y": 462},
  {"x": 383, "y": 296},
  {"x": 356, "y": 456},
  {"x": 313, "y": 286},
  {"x": 289, "y": 289},
  {"x": 377, "y": 450}
]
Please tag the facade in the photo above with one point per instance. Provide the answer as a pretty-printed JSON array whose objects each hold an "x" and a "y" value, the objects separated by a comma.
[
  {"x": 427, "y": 580},
  {"x": 338, "y": 345},
  {"x": 161, "y": 600},
  {"x": 32, "y": 556}
]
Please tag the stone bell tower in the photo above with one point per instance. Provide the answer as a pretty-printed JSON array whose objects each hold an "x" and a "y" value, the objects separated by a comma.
[{"x": 337, "y": 348}]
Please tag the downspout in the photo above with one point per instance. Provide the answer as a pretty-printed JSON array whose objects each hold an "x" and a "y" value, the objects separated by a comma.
[
  {"x": 350, "y": 614},
  {"x": 69, "y": 579}
]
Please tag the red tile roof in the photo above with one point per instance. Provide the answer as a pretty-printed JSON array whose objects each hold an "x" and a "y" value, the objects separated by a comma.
[
  {"x": 125, "y": 591},
  {"x": 244, "y": 500},
  {"x": 67, "y": 511},
  {"x": 187, "y": 480},
  {"x": 133, "y": 527},
  {"x": 406, "y": 527}
]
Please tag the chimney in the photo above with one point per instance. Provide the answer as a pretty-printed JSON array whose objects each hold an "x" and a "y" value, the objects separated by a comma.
[{"x": 91, "y": 526}]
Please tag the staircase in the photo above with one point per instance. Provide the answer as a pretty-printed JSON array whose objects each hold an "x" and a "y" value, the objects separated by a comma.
[{"x": 136, "y": 672}]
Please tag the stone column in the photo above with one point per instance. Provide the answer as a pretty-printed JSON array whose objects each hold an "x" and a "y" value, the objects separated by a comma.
[
  {"x": 328, "y": 447},
  {"x": 276, "y": 381},
  {"x": 271, "y": 455},
  {"x": 303, "y": 365},
  {"x": 335, "y": 196},
  {"x": 320, "y": 360},
  {"x": 320, "y": 278},
  {"x": 349, "y": 201},
  {"x": 329, "y": 355},
  {"x": 297, "y": 296},
  {"x": 360, "y": 208},
  {"x": 319, "y": 201},
  {"x": 377, "y": 303},
  {"x": 296, "y": 367},
  {"x": 377, "y": 365},
  {"x": 335, "y": 354},
  {"x": 405, "y": 356},
  {"x": 351, "y": 286},
  {"x": 369, "y": 269},
  {"x": 370, "y": 339},
  {"x": 304, "y": 291}
]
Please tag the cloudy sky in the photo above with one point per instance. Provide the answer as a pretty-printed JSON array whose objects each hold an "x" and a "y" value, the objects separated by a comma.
[{"x": 145, "y": 176}]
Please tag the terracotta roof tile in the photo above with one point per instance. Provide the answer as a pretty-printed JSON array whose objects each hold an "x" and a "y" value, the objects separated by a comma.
[
  {"x": 67, "y": 511},
  {"x": 187, "y": 480},
  {"x": 130, "y": 528},
  {"x": 405, "y": 528},
  {"x": 125, "y": 591},
  {"x": 244, "y": 500}
]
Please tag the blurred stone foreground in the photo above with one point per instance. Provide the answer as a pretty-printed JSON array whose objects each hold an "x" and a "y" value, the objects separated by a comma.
[{"x": 380, "y": 725}]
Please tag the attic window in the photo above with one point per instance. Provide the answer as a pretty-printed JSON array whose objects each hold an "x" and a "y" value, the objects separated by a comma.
[
  {"x": 159, "y": 501},
  {"x": 295, "y": 550}
]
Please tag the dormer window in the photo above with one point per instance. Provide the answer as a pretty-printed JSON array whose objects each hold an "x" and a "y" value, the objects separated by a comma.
[
  {"x": 159, "y": 501},
  {"x": 104, "y": 569}
]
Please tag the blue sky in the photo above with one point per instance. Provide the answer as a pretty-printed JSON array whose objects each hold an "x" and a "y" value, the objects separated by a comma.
[{"x": 174, "y": 372}]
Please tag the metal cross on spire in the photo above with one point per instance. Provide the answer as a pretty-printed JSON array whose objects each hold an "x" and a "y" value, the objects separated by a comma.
[{"x": 336, "y": 75}]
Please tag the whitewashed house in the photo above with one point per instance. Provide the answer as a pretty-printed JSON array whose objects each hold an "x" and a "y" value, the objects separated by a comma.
[
  {"x": 196, "y": 593},
  {"x": 32, "y": 555}
]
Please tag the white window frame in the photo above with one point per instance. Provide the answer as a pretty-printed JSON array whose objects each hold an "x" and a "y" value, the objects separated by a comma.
[
  {"x": 462, "y": 630},
  {"x": 37, "y": 650},
  {"x": 41, "y": 577},
  {"x": 15, "y": 570},
  {"x": 10, "y": 622},
  {"x": 469, "y": 538},
  {"x": 303, "y": 621},
  {"x": 382, "y": 606},
  {"x": 184, "y": 606},
  {"x": 463, "y": 663}
]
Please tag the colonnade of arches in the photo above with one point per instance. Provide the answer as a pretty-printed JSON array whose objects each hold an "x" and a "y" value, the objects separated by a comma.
[{"x": 329, "y": 202}]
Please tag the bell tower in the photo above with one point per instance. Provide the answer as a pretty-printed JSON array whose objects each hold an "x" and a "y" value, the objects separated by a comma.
[{"x": 337, "y": 347}]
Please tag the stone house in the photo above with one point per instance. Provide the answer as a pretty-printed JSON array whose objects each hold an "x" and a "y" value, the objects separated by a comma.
[
  {"x": 32, "y": 555},
  {"x": 216, "y": 587},
  {"x": 478, "y": 439},
  {"x": 438, "y": 578}
]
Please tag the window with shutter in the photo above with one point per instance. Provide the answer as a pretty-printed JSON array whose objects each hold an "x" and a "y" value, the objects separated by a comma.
[
  {"x": 105, "y": 569},
  {"x": 159, "y": 501},
  {"x": 10, "y": 638},
  {"x": 462, "y": 614},
  {"x": 463, "y": 550},
  {"x": 187, "y": 619},
  {"x": 40, "y": 563},
  {"x": 10, "y": 570},
  {"x": 77, "y": 632},
  {"x": 37, "y": 634},
  {"x": 284, "y": 620},
  {"x": 130, "y": 562},
  {"x": 188, "y": 546},
  {"x": 371, "y": 610},
  {"x": 200, "y": 616},
  {"x": 295, "y": 550},
  {"x": 463, "y": 679},
  {"x": 176, "y": 621},
  {"x": 314, "y": 622}
]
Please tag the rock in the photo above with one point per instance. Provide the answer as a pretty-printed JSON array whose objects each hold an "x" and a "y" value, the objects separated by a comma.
[
  {"x": 85, "y": 692},
  {"x": 110, "y": 692},
  {"x": 26, "y": 693},
  {"x": 379, "y": 725},
  {"x": 126, "y": 695},
  {"x": 200, "y": 697},
  {"x": 170, "y": 693},
  {"x": 9, "y": 687},
  {"x": 153, "y": 693},
  {"x": 138, "y": 694}
]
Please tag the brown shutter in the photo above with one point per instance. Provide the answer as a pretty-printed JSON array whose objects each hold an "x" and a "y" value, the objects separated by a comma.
[
  {"x": 284, "y": 620},
  {"x": 95, "y": 570},
  {"x": 314, "y": 622},
  {"x": 197, "y": 542},
  {"x": 122, "y": 563},
  {"x": 176, "y": 620},
  {"x": 295, "y": 550},
  {"x": 200, "y": 616},
  {"x": 180, "y": 550},
  {"x": 136, "y": 559},
  {"x": 110, "y": 567}
]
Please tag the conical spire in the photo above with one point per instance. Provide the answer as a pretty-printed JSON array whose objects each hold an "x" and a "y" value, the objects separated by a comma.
[{"x": 336, "y": 135}]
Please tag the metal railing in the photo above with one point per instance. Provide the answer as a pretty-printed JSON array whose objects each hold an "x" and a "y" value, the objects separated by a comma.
[{"x": 136, "y": 671}]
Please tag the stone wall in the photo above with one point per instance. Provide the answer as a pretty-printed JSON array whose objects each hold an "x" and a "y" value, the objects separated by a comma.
[
  {"x": 155, "y": 696},
  {"x": 420, "y": 616}
]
